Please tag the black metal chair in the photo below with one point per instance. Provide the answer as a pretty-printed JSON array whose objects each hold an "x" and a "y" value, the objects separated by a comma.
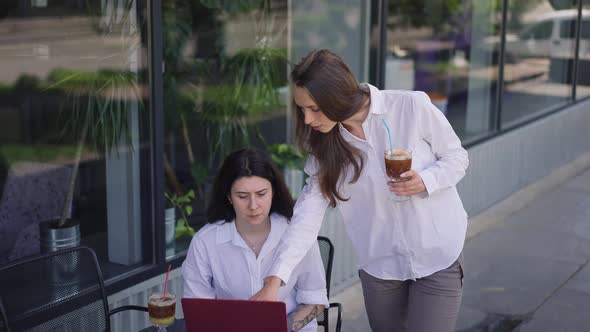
[
  {"x": 59, "y": 291},
  {"x": 327, "y": 253}
]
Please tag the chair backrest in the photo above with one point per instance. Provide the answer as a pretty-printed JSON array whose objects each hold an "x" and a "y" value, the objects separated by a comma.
[
  {"x": 3, "y": 319},
  {"x": 59, "y": 291},
  {"x": 327, "y": 254}
]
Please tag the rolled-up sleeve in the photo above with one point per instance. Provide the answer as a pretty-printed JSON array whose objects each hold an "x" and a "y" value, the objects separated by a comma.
[
  {"x": 311, "y": 280},
  {"x": 196, "y": 272},
  {"x": 304, "y": 228},
  {"x": 452, "y": 159}
]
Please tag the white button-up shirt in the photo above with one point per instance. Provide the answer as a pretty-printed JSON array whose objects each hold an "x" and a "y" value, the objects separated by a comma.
[
  {"x": 392, "y": 240},
  {"x": 219, "y": 264}
]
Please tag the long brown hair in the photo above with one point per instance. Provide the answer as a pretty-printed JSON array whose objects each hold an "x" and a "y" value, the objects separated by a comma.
[{"x": 335, "y": 90}]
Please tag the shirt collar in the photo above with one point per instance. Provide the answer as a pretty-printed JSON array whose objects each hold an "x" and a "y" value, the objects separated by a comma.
[
  {"x": 227, "y": 232},
  {"x": 224, "y": 232},
  {"x": 376, "y": 107},
  {"x": 376, "y": 95}
]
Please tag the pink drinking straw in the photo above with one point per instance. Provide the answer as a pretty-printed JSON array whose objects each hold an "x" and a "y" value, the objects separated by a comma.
[{"x": 166, "y": 282}]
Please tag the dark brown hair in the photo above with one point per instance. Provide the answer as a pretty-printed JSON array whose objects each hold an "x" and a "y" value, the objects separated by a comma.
[
  {"x": 333, "y": 87},
  {"x": 244, "y": 163}
]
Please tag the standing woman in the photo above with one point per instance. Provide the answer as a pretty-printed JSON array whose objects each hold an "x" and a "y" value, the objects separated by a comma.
[{"x": 409, "y": 252}]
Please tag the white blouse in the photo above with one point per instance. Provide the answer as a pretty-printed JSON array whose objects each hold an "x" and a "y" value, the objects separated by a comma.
[
  {"x": 219, "y": 264},
  {"x": 392, "y": 240}
]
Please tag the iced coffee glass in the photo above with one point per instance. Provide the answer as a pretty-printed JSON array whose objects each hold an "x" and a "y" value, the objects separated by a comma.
[
  {"x": 161, "y": 310},
  {"x": 397, "y": 162}
]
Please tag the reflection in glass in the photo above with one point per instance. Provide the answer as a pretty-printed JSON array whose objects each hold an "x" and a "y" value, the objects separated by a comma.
[
  {"x": 339, "y": 25},
  {"x": 225, "y": 87},
  {"x": 72, "y": 105},
  {"x": 540, "y": 46},
  {"x": 448, "y": 54}
]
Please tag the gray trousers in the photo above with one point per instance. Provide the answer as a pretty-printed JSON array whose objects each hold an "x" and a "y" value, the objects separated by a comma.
[{"x": 429, "y": 304}]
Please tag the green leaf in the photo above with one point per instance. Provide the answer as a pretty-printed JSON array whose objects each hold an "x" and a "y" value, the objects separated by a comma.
[
  {"x": 183, "y": 228},
  {"x": 286, "y": 156},
  {"x": 180, "y": 229},
  {"x": 191, "y": 231}
]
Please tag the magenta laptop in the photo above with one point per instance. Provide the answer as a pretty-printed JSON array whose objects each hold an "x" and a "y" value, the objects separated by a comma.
[{"x": 208, "y": 315}]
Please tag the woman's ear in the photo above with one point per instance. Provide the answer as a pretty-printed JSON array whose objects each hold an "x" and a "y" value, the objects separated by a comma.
[{"x": 229, "y": 200}]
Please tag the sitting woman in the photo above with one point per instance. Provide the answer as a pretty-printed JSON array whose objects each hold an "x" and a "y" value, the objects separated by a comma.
[{"x": 248, "y": 212}]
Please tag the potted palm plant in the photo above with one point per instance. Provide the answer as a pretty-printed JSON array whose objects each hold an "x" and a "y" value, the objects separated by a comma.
[{"x": 96, "y": 106}]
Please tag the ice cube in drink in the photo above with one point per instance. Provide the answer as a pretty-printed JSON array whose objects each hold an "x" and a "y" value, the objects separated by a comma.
[
  {"x": 397, "y": 162},
  {"x": 161, "y": 310}
]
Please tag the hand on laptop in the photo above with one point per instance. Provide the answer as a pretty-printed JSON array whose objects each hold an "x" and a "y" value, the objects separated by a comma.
[{"x": 270, "y": 290}]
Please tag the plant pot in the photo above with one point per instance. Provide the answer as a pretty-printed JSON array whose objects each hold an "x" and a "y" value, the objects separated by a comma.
[
  {"x": 170, "y": 227},
  {"x": 63, "y": 274},
  {"x": 54, "y": 238}
]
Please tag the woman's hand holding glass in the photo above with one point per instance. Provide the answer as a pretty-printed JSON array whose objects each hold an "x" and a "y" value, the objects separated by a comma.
[{"x": 411, "y": 187}]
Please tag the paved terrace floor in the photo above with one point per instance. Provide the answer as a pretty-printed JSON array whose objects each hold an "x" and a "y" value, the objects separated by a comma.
[{"x": 526, "y": 267}]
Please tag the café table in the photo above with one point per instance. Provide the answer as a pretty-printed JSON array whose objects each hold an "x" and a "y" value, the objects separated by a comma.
[{"x": 178, "y": 326}]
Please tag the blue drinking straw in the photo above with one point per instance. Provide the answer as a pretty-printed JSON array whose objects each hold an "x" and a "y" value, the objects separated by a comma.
[{"x": 389, "y": 134}]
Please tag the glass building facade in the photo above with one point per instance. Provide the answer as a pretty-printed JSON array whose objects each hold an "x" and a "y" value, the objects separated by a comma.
[{"x": 115, "y": 114}]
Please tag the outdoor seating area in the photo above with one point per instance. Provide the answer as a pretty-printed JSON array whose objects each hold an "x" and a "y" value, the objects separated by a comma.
[
  {"x": 270, "y": 165},
  {"x": 64, "y": 291}
]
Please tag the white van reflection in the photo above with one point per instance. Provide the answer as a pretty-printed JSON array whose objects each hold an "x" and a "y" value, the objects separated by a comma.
[{"x": 551, "y": 35}]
